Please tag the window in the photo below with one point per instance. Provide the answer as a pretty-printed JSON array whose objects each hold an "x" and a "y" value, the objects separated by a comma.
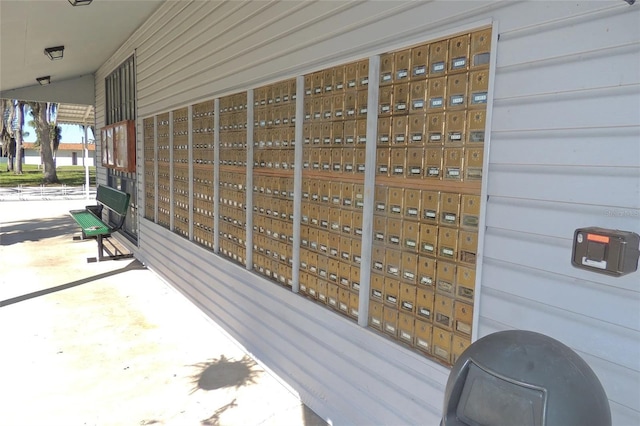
[{"x": 120, "y": 93}]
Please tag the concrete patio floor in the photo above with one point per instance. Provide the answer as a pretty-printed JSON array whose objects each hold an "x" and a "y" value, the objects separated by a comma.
[{"x": 110, "y": 343}]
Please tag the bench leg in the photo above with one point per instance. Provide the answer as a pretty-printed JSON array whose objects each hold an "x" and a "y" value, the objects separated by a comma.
[{"x": 101, "y": 257}]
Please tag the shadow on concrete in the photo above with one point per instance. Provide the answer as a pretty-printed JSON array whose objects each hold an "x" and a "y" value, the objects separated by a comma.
[
  {"x": 130, "y": 267},
  {"x": 214, "y": 420},
  {"x": 224, "y": 373},
  {"x": 35, "y": 230},
  {"x": 150, "y": 422}
]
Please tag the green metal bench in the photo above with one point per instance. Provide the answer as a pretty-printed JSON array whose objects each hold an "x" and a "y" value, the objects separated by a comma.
[{"x": 92, "y": 225}]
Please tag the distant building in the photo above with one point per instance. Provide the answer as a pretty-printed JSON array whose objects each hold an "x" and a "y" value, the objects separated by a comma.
[{"x": 68, "y": 154}]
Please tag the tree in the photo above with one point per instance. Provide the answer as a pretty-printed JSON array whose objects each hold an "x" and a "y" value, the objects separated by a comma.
[
  {"x": 7, "y": 115},
  {"x": 43, "y": 115},
  {"x": 56, "y": 136},
  {"x": 12, "y": 132},
  {"x": 19, "y": 108},
  {"x": 8, "y": 149}
]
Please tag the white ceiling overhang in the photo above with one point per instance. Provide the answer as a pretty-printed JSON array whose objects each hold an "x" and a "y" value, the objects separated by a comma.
[
  {"x": 90, "y": 35},
  {"x": 75, "y": 114}
]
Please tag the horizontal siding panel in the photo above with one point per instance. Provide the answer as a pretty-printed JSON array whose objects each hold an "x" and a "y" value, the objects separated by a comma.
[
  {"x": 238, "y": 46},
  {"x": 615, "y": 344},
  {"x": 545, "y": 253},
  {"x": 169, "y": 44},
  {"x": 237, "y": 298},
  {"x": 203, "y": 46},
  {"x": 605, "y": 186},
  {"x": 608, "y": 67},
  {"x": 243, "y": 34},
  {"x": 373, "y": 28},
  {"x": 615, "y": 306},
  {"x": 526, "y": 21},
  {"x": 559, "y": 111},
  {"x": 555, "y": 219},
  {"x": 590, "y": 30},
  {"x": 623, "y": 415},
  {"x": 612, "y": 147},
  {"x": 615, "y": 380}
]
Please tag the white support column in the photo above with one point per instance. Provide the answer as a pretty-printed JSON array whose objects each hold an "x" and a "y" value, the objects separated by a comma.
[
  {"x": 155, "y": 169},
  {"x": 171, "y": 197},
  {"x": 85, "y": 160},
  {"x": 190, "y": 160},
  {"x": 484, "y": 192},
  {"x": 216, "y": 175},
  {"x": 248, "y": 188},
  {"x": 369, "y": 190},
  {"x": 297, "y": 182}
]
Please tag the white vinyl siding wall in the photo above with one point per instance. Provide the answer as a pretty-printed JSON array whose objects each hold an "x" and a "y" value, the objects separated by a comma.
[{"x": 563, "y": 153}]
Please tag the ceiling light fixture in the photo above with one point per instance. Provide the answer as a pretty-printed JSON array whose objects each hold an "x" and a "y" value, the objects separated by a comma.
[
  {"x": 44, "y": 80},
  {"x": 54, "y": 53},
  {"x": 80, "y": 2}
]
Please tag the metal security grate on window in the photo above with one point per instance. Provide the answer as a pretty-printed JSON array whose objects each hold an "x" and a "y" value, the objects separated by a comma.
[{"x": 120, "y": 93}]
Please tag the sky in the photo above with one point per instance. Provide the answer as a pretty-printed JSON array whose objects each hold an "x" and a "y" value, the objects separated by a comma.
[{"x": 71, "y": 133}]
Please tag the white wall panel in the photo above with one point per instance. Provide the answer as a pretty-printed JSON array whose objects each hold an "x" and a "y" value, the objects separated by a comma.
[
  {"x": 587, "y": 335},
  {"x": 607, "y": 186},
  {"x": 616, "y": 379},
  {"x": 564, "y": 153},
  {"x": 558, "y": 110},
  {"x": 622, "y": 415},
  {"x": 600, "y": 147},
  {"x": 596, "y": 68},
  {"x": 553, "y": 219},
  {"x": 592, "y": 31},
  {"x": 618, "y": 306}
]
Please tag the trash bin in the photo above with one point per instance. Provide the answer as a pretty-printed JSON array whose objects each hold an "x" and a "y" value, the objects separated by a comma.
[{"x": 523, "y": 378}]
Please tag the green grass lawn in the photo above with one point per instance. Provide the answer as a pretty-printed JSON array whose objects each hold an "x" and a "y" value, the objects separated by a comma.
[{"x": 31, "y": 176}]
